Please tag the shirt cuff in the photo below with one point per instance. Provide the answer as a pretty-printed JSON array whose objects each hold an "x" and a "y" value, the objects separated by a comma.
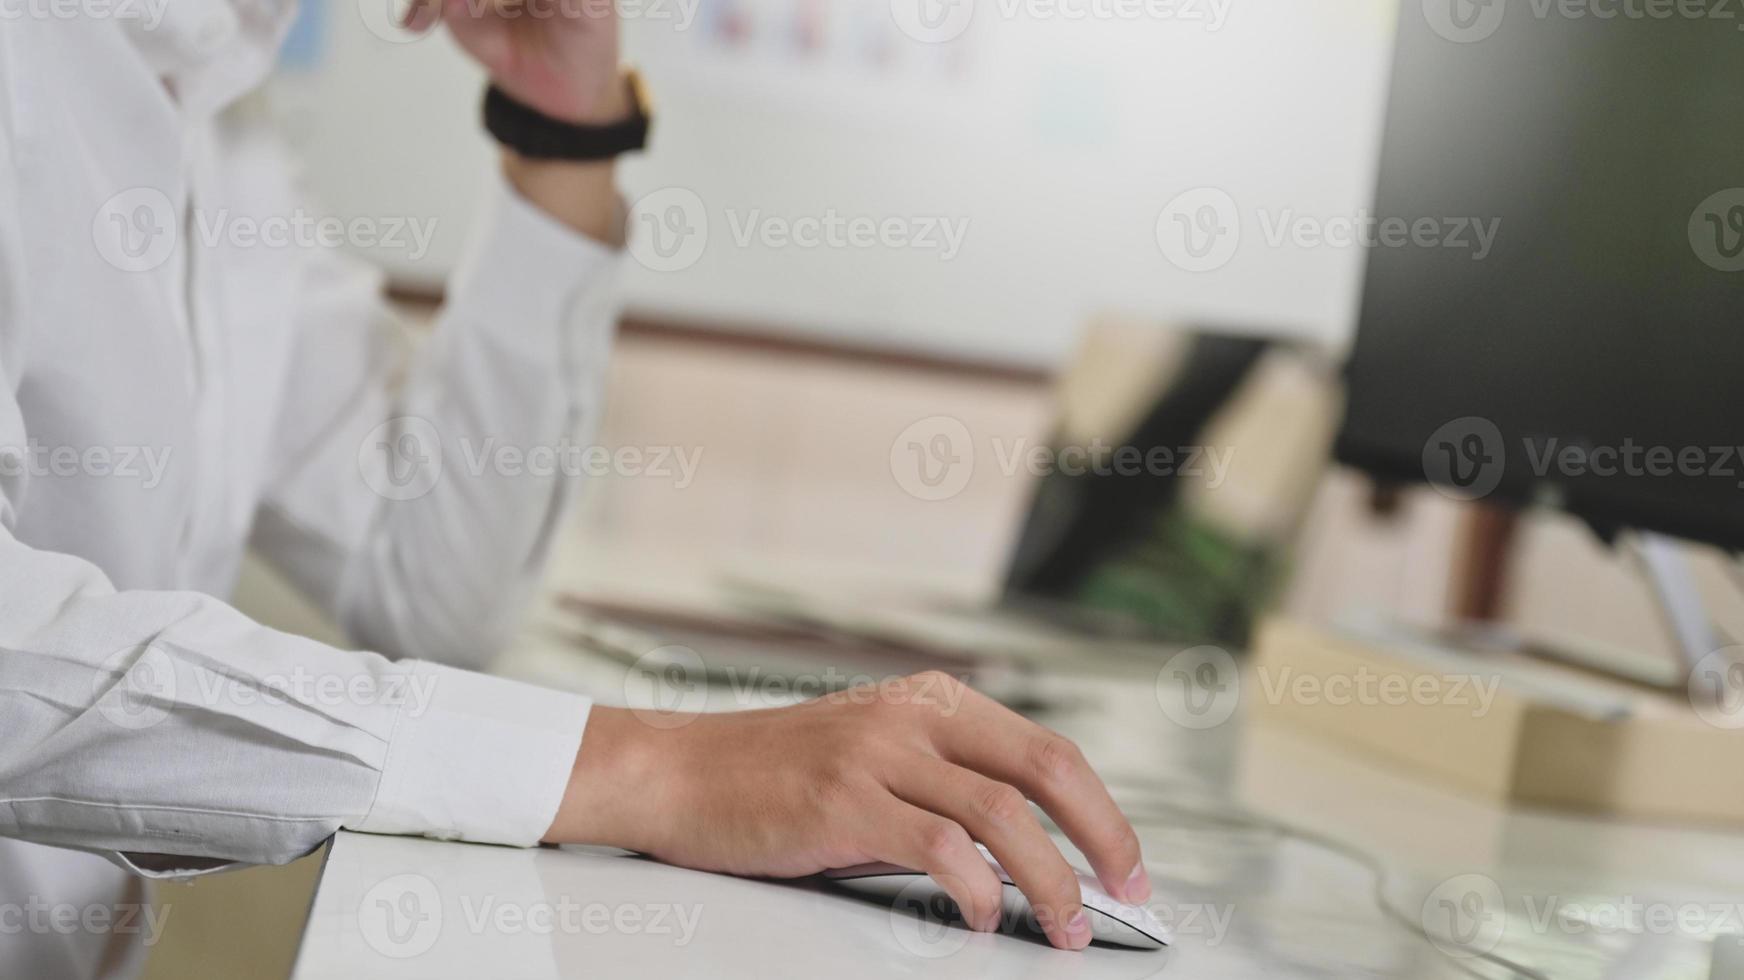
[
  {"x": 525, "y": 274},
  {"x": 476, "y": 758}
]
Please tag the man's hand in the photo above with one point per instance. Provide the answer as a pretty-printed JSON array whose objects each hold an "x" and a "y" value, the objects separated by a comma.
[
  {"x": 557, "y": 56},
  {"x": 561, "y": 58},
  {"x": 911, "y": 772}
]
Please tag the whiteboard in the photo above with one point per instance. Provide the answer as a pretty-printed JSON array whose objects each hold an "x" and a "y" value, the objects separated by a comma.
[{"x": 1052, "y": 145}]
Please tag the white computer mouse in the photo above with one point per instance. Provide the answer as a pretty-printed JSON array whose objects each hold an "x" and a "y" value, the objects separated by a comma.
[{"x": 1111, "y": 921}]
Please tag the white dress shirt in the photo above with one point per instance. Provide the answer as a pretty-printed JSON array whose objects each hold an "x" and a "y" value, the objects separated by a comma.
[{"x": 167, "y": 398}]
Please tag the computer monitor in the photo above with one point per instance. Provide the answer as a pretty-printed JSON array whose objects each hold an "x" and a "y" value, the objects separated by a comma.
[{"x": 1592, "y": 354}]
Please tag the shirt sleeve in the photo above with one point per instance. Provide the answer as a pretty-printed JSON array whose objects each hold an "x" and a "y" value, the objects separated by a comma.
[
  {"x": 420, "y": 487},
  {"x": 167, "y": 723},
  {"x": 158, "y": 723}
]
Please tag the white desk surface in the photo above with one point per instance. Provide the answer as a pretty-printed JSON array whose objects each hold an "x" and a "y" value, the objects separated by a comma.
[{"x": 1245, "y": 904}]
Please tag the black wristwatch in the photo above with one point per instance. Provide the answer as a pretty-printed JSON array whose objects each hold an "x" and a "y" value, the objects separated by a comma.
[{"x": 534, "y": 135}]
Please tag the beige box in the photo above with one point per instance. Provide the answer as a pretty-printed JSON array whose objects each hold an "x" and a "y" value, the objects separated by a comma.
[{"x": 1506, "y": 727}]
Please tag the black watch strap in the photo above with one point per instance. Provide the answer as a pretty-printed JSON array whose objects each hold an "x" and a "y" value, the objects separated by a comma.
[{"x": 533, "y": 134}]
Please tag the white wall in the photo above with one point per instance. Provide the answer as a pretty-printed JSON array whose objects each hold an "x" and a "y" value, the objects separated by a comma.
[{"x": 1059, "y": 142}]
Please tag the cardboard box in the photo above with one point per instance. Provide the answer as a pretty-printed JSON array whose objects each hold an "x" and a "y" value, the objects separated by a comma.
[{"x": 1505, "y": 727}]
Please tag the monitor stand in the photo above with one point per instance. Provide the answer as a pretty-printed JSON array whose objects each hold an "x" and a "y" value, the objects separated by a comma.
[
  {"x": 1703, "y": 667},
  {"x": 1700, "y": 647}
]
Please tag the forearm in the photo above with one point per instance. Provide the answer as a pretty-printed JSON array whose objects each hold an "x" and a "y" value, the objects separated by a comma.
[
  {"x": 581, "y": 195},
  {"x": 144, "y": 722},
  {"x": 418, "y": 498},
  {"x": 503, "y": 408}
]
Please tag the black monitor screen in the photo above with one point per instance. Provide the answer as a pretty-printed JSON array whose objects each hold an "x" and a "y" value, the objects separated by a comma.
[{"x": 1554, "y": 303}]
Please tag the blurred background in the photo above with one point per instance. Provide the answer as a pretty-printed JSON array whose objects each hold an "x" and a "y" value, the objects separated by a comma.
[
  {"x": 1058, "y": 149},
  {"x": 1058, "y": 140},
  {"x": 888, "y": 264}
]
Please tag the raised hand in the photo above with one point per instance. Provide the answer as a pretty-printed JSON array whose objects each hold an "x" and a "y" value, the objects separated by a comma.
[{"x": 557, "y": 56}]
